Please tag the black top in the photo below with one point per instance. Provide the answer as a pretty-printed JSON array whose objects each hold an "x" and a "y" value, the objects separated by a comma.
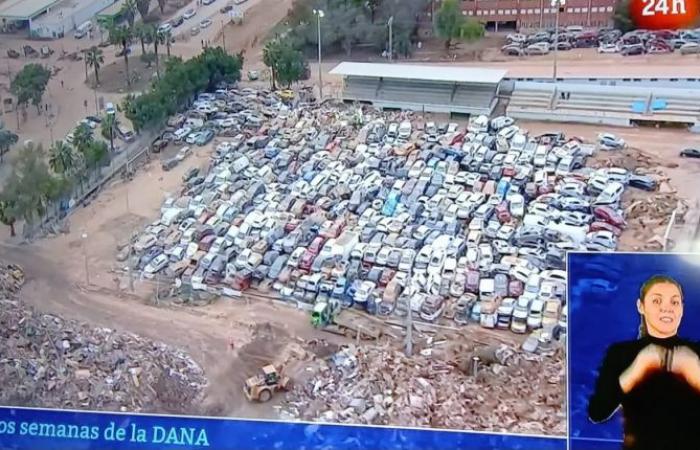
[{"x": 661, "y": 412}]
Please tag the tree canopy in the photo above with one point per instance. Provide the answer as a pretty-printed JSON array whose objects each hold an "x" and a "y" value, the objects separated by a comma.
[
  {"x": 180, "y": 84},
  {"x": 29, "y": 84},
  {"x": 7, "y": 140},
  {"x": 30, "y": 187},
  {"x": 347, "y": 24},
  {"x": 622, "y": 18},
  {"x": 451, "y": 24},
  {"x": 286, "y": 63}
]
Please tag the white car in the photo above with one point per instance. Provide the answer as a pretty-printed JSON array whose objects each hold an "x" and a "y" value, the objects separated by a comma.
[
  {"x": 205, "y": 23},
  {"x": 156, "y": 265},
  {"x": 190, "y": 13},
  {"x": 608, "y": 48},
  {"x": 183, "y": 153},
  {"x": 182, "y": 133}
]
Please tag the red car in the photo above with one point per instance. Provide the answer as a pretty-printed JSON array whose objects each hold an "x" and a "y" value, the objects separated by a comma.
[
  {"x": 502, "y": 212},
  {"x": 241, "y": 283},
  {"x": 457, "y": 139},
  {"x": 316, "y": 245},
  {"x": 386, "y": 277},
  {"x": 508, "y": 171},
  {"x": 515, "y": 288},
  {"x": 609, "y": 215},
  {"x": 307, "y": 259},
  {"x": 605, "y": 226}
]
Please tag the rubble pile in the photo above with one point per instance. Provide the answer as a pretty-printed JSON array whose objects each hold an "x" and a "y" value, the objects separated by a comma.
[
  {"x": 648, "y": 217},
  {"x": 51, "y": 362},
  {"x": 384, "y": 387}
]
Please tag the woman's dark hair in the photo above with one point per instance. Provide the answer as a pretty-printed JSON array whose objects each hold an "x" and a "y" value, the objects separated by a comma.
[{"x": 644, "y": 290}]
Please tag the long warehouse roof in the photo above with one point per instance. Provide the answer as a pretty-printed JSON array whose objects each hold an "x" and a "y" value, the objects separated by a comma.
[
  {"x": 420, "y": 72},
  {"x": 24, "y": 9}
]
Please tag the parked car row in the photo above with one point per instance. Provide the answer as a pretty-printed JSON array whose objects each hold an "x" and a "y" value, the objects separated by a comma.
[
  {"x": 384, "y": 211},
  {"x": 635, "y": 42}
]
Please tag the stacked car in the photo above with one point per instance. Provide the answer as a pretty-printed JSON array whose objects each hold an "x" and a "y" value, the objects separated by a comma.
[
  {"x": 384, "y": 212},
  {"x": 636, "y": 42}
]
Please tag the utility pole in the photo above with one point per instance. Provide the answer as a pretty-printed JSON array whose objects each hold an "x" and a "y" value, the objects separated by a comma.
[
  {"x": 409, "y": 319},
  {"x": 391, "y": 39},
  {"x": 319, "y": 14},
  {"x": 558, "y": 4},
  {"x": 223, "y": 34}
]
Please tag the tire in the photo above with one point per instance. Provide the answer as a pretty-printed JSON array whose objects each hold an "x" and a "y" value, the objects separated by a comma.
[{"x": 265, "y": 396}]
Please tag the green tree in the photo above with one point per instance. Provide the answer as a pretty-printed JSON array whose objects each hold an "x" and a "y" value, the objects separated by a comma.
[
  {"x": 128, "y": 11},
  {"x": 121, "y": 37},
  {"x": 622, "y": 18},
  {"x": 7, "y": 140},
  {"x": 29, "y": 85},
  {"x": 449, "y": 21},
  {"x": 142, "y": 32},
  {"x": 63, "y": 159},
  {"x": 168, "y": 38},
  {"x": 143, "y": 6},
  {"x": 180, "y": 84},
  {"x": 96, "y": 154},
  {"x": 30, "y": 188},
  {"x": 107, "y": 129},
  {"x": 471, "y": 30},
  {"x": 95, "y": 59},
  {"x": 82, "y": 137},
  {"x": 271, "y": 54},
  {"x": 6, "y": 216}
]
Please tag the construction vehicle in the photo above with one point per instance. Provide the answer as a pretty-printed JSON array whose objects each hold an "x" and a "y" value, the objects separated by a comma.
[
  {"x": 328, "y": 315},
  {"x": 261, "y": 387}
]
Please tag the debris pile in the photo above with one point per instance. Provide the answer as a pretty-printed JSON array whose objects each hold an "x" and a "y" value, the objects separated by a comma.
[
  {"x": 384, "y": 387},
  {"x": 51, "y": 362},
  {"x": 649, "y": 216}
]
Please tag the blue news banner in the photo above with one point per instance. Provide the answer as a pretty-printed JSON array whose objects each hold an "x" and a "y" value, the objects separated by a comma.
[{"x": 36, "y": 429}]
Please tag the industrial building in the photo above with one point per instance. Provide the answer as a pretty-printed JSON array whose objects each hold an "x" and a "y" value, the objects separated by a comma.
[
  {"x": 420, "y": 87},
  {"x": 49, "y": 18},
  {"x": 517, "y": 14}
]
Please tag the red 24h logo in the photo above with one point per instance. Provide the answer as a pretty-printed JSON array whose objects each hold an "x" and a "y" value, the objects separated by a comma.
[{"x": 665, "y": 14}]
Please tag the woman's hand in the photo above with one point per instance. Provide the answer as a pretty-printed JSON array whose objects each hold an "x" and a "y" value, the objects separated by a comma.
[
  {"x": 686, "y": 364},
  {"x": 649, "y": 359}
]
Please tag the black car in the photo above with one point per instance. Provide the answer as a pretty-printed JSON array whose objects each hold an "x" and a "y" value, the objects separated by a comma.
[
  {"x": 690, "y": 153},
  {"x": 226, "y": 9},
  {"x": 176, "y": 22}
]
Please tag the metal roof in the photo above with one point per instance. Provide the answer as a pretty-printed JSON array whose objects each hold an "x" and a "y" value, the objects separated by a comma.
[
  {"x": 24, "y": 9},
  {"x": 420, "y": 72}
]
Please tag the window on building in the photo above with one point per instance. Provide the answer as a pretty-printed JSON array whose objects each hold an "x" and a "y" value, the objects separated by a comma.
[
  {"x": 594, "y": 9},
  {"x": 610, "y": 9},
  {"x": 500, "y": 12},
  {"x": 584, "y": 10},
  {"x": 530, "y": 11},
  {"x": 464, "y": 13},
  {"x": 493, "y": 12},
  {"x": 577, "y": 10}
]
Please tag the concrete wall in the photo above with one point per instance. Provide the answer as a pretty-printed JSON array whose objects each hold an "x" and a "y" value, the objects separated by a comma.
[
  {"x": 65, "y": 20},
  {"x": 554, "y": 116}
]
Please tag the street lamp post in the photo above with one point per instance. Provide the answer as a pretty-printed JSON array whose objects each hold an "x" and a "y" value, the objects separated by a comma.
[
  {"x": 84, "y": 237},
  {"x": 319, "y": 14},
  {"x": 557, "y": 4},
  {"x": 391, "y": 38}
]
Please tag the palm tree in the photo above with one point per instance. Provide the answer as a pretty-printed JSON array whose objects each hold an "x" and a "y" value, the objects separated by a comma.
[
  {"x": 82, "y": 137},
  {"x": 129, "y": 11},
  {"x": 122, "y": 36},
  {"x": 143, "y": 6},
  {"x": 168, "y": 36},
  {"x": 95, "y": 60},
  {"x": 62, "y": 158},
  {"x": 159, "y": 37},
  {"x": 107, "y": 129}
]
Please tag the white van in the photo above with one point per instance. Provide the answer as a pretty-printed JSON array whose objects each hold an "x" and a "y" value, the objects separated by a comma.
[{"x": 83, "y": 30}]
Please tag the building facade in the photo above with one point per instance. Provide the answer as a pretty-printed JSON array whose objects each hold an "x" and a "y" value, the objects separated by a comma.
[{"x": 528, "y": 14}]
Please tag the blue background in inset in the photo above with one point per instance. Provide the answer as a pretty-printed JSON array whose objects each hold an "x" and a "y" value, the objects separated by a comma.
[
  {"x": 229, "y": 434},
  {"x": 603, "y": 289}
]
